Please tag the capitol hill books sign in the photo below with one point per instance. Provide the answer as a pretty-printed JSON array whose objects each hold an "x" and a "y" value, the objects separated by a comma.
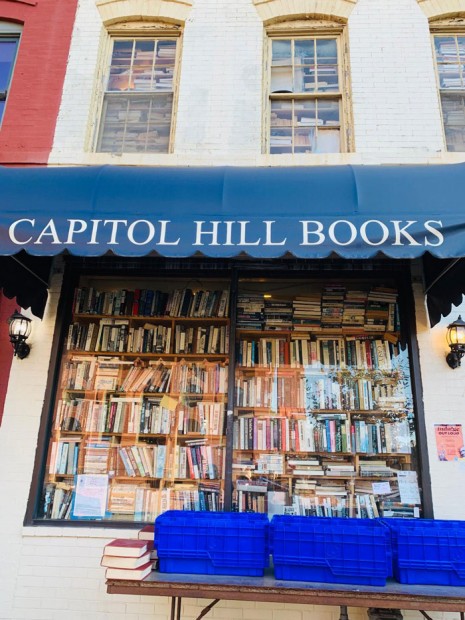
[{"x": 309, "y": 212}]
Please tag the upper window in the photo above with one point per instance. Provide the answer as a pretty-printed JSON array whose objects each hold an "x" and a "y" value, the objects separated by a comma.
[
  {"x": 8, "y": 48},
  {"x": 305, "y": 95},
  {"x": 138, "y": 100},
  {"x": 450, "y": 64}
]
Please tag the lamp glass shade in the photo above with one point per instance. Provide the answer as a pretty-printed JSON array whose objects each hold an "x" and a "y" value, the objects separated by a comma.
[
  {"x": 456, "y": 333},
  {"x": 19, "y": 326}
]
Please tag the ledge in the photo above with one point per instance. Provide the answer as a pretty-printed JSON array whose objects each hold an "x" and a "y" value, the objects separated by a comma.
[
  {"x": 172, "y": 11},
  {"x": 274, "y": 10},
  {"x": 435, "y": 9}
]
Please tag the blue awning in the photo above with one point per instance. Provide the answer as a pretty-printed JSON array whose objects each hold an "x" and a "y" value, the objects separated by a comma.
[{"x": 309, "y": 212}]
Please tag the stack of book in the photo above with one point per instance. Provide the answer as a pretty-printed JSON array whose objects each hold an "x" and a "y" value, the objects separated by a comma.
[
  {"x": 375, "y": 469},
  {"x": 381, "y": 309},
  {"x": 353, "y": 316},
  {"x": 130, "y": 558},
  {"x": 338, "y": 468},
  {"x": 277, "y": 314},
  {"x": 305, "y": 467},
  {"x": 332, "y": 306},
  {"x": 250, "y": 309},
  {"x": 307, "y": 313}
]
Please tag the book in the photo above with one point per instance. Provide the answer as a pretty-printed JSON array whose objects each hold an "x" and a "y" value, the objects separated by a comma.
[
  {"x": 146, "y": 533},
  {"x": 127, "y": 547},
  {"x": 132, "y": 574},
  {"x": 116, "y": 561}
]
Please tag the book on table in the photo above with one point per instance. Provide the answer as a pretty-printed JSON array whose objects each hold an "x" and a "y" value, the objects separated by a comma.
[
  {"x": 132, "y": 574},
  {"x": 127, "y": 547},
  {"x": 115, "y": 561}
]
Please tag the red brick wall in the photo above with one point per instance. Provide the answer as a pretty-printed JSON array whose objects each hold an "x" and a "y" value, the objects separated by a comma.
[
  {"x": 7, "y": 307},
  {"x": 27, "y": 129}
]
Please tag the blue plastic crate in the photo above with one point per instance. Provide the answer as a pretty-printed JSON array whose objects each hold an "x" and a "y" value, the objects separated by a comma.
[
  {"x": 212, "y": 543},
  {"x": 427, "y": 551},
  {"x": 330, "y": 550}
]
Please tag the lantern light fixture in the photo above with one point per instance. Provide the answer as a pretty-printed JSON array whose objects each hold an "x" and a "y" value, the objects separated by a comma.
[
  {"x": 456, "y": 342},
  {"x": 19, "y": 329}
]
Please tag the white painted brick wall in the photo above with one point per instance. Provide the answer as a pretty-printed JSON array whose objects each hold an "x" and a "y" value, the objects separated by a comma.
[
  {"x": 395, "y": 100},
  {"x": 219, "y": 112}
]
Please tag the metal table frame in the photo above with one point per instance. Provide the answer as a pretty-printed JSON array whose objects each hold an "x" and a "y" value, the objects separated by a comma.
[{"x": 394, "y": 595}]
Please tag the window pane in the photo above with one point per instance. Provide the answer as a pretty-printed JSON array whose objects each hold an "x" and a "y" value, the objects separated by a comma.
[
  {"x": 446, "y": 49},
  {"x": 281, "y": 79},
  {"x": 305, "y": 113},
  {"x": 281, "y": 140},
  {"x": 139, "y": 417},
  {"x": 304, "y": 52},
  {"x": 281, "y": 114},
  {"x": 7, "y": 56},
  {"x": 328, "y": 112},
  {"x": 133, "y": 123},
  {"x": 319, "y": 417},
  {"x": 453, "y": 112},
  {"x": 328, "y": 141},
  {"x": 281, "y": 53},
  {"x": 304, "y": 140}
]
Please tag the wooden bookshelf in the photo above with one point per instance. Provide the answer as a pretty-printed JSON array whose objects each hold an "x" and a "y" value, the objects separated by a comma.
[
  {"x": 151, "y": 422},
  {"x": 325, "y": 410}
]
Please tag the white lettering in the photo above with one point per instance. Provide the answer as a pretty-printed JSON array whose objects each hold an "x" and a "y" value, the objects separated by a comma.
[
  {"x": 12, "y": 232},
  {"x": 151, "y": 232},
  {"x": 403, "y": 231},
  {"x": 384, "y": 228},
  {"x": 93, "y": 237},
  {"x": 72, "y": 230},
  {"x": 229, "y": 232},
  {"x": 200, "y": 232},
  {"x": 306, "y": 232},
  {"x": 434, "y": 232},
  {"x": 242, "y": 241},
  {"x": 114, "y": 229},
  {"x": 163, "y": 240},
  {"x": 268, "y": 241},
  {"x": 49, "y": 231},
  {"x": 332, "y": 230}
]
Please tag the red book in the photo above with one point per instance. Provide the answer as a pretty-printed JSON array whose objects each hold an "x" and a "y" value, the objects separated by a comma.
[
  {"x": 114, "y": 561},
  {"x": 146, "y": 533},
  {"x": 127, "y": 547},
  {"x": 133, "y": 574}
]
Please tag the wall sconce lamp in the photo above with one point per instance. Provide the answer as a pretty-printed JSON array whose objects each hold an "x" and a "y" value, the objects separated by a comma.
[
  {"x": 19, "y": 329},
  {"x": 456, "y": 341}
]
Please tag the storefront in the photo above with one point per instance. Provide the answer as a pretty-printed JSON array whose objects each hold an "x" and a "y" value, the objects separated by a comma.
[{"x": 234, "y": 338}]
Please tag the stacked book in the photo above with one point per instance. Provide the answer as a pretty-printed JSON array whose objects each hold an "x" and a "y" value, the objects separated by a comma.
[
  {"x": 307, "y": 313},
  {"x": 332, "y": 306},
  {"x": 250, "y": 311},
  {"x": 376, "y": 468},
  {"x": 353, "y": 316},
  {"x": 338, "y": 468},
  {"x": 381, "y": 309},
  {"x": 129, "y": 558},
  {"x": 277, "y": 314},
  {"x": 305, "y": 467}
]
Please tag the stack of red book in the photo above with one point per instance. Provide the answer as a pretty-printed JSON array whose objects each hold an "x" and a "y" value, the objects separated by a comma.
[{"x": 130, "y": 558}]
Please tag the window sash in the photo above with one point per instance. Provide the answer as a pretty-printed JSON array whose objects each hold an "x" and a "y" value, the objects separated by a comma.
[
  {"x": 8, "y": 52},
  {"x": 304, "y": 79}
]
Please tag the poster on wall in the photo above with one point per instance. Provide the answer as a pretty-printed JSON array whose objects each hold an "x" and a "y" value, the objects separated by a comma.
[{"x": 449, "y": 442}]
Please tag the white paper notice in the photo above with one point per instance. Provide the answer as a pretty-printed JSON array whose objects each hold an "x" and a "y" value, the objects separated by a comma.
[
  {"x": 381, "y": 488},
  {"x": 91, "y": 495},
  {"x": 408, "y": 487}
]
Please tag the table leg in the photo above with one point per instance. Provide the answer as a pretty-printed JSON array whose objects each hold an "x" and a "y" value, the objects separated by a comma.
[
  {"x": 175, "y": 608},
  {"x": 343, "y": 615}
]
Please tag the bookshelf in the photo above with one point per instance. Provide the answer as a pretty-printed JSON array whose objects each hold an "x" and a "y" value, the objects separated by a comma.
[
  {"x": 323, "y": 415},
  {"x": 313, "y": 371},
  {"x": 139, "y": 418}
]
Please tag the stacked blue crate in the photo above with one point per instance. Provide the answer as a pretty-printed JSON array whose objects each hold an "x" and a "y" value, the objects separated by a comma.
[
  {"x": 428, "y": 551},
  {"x": 330, "y": 550},
  {"x": 212, "y": 543}
]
